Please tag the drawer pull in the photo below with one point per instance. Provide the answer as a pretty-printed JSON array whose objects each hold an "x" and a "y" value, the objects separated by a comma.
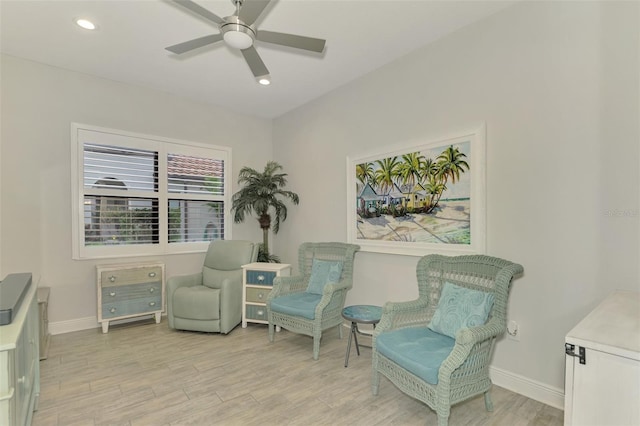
[
  {"x": 152, "y": 274},
  {"x": 112, "y": 310},
  {"x": 112, "y": 278},
  {"x": 260, "y": 277},
  {"x": 151, "y": 290},
  {"x": 260, "y": 312},
  {"x": 260, "y": 295},
  {"x": 113, "y": 293},
  {"x": 152, "y": 303}
]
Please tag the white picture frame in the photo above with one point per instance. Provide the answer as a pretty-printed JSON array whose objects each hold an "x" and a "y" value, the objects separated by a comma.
[{"x": 390, "y": 208}]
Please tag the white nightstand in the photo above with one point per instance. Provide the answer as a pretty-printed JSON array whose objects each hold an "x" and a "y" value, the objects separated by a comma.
[{"x": 257, "y": 281}]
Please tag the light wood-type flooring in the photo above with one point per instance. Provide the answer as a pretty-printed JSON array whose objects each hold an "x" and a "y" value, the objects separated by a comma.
[{"x": 145, "y": 374}]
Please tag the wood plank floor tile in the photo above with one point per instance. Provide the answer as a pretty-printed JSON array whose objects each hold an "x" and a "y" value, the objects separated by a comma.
[{"x": 144, "y": 374}]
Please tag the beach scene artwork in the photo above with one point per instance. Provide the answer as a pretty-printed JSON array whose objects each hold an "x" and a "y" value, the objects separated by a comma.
[{"x": 419, "y": 197}]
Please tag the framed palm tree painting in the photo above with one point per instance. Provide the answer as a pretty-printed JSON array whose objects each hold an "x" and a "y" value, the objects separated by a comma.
[{"x": 422, "y": 197}]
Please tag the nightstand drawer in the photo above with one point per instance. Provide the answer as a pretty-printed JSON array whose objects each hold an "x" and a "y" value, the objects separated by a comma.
[
  {"x": 257, "y": 295},
  {"x": 130, "y": 276},
  {"x": 132, "y": 306},
  {"x": 260, "y": 277},
  {"x": 133, "y": 291},
  {"x": 256, "y": 312}
]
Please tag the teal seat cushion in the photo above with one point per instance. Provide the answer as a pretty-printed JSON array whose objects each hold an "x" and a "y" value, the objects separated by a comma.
[
  {"x": 323, "y": 272},
  {"x": 297, "y": 304},
  {"x": 460, "y": 307},
  {"x": 418, "y": 350}
]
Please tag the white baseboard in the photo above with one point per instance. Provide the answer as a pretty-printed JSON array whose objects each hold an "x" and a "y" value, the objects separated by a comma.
[
  {"x": 528, "y": 387},
  {"x": 61, "y": 327}
]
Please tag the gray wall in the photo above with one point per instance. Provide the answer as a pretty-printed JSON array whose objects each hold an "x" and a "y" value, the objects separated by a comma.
[
  {"x": 39, "y": 103},
  {"x": 557, "y": 85}
]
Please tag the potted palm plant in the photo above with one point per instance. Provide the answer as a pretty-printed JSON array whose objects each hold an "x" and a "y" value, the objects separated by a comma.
[{"x": 263, "y": 194}]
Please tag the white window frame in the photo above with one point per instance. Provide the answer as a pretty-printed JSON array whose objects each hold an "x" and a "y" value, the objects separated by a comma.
[{"x": 163, "y": 146}]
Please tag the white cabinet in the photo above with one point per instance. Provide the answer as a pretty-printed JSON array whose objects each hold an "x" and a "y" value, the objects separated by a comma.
[
  {"x": 257, "y": 281},
  {"x": 602, "y": 382},
  {"x": 19, "y": 364},
  {"x": 127, "y": 291}
]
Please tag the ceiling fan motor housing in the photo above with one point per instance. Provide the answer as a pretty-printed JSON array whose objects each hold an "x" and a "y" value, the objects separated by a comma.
[{"x": 236, "y": 33}]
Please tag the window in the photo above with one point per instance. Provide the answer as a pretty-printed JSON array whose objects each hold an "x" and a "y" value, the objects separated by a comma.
[{"x": 139, "y": 195}]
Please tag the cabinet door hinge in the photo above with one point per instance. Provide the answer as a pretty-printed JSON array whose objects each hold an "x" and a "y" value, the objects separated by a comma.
[{"x": 570, "y": 350}]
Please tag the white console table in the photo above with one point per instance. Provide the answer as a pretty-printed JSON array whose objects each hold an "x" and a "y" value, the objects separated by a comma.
[
  {"x": 602, "y": 382},
  {"x": 19, "y": 363}
]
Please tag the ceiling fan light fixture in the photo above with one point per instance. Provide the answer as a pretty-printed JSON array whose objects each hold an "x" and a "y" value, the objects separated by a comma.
[
  {"x": 237, "y": 35},
  {"x": 238, "y": 40}
]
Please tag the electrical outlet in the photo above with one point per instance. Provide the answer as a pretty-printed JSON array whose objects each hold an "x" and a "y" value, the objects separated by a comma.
[{"x": 513, "y": 331}]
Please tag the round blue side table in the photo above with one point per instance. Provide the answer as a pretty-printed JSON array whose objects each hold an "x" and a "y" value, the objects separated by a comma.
[{"x": 359, "y": 314}]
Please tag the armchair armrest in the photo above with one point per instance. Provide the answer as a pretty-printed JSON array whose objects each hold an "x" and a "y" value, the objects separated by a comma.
[
  {"x": 333, "y": 296},
  {"x": 480, "y": 333},
  {"x": 287, "y": 285},
  {"x": 175, "y": 283},
  {"x": 474, "y": 339},
  {"x": 230, "y": 303},
  {"x": 403, "y": 314},
  {"x": 333, "y": 287},
  {"x": 190, "y": 280}
]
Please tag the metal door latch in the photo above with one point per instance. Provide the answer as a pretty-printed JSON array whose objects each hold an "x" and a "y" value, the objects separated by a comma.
[{"x": 570, "y": 349}]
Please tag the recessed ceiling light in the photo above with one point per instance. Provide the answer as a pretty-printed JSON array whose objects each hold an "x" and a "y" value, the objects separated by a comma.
[
  {"x": 86, "y": 24},
  {"x": 265, "y": 81}
]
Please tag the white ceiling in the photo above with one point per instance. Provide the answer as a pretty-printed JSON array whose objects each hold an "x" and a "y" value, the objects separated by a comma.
[{"x": 128, "y": 46}]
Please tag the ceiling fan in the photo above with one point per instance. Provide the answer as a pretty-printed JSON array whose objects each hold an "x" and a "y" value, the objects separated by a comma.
[{"x": 239, "y": 32}]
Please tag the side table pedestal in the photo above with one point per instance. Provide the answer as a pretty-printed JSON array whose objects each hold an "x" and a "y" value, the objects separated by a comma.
[{"x": 359, "y": 314}]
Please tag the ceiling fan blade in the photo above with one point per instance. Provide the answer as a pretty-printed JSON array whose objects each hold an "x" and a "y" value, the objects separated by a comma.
[
  {"x": 258, "y": 68},
  {"x": 199, "y": 10},
  {"x": 251, "y": 10},
  {"x": 291, "y": 40},
  {"x": 194, "y": 44}
]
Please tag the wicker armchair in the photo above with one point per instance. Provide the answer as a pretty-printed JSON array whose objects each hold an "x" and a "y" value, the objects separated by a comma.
[
  {"x": 404, "y": 343},
  {"x": 292, "y": 303}
]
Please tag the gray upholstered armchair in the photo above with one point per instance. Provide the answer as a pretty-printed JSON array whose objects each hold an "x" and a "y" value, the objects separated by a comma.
[
  {"x": 437, "y": 348},
  {"x": 312, "y": 301},
  {"x": 211, "y": 300}
]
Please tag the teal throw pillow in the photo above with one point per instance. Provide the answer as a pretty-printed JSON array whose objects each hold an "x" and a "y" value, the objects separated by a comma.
[
  {"x": 460, "y": 307},
  {"x": 323, "y": 272}
]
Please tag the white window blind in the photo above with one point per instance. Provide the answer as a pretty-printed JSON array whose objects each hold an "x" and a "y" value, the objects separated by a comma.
[
  {"x": 135, "y": 168},
  {"x": 120, "y": 219},
  {"x": 142, "y": 195},
  {"x": 192, "y": 219}
]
